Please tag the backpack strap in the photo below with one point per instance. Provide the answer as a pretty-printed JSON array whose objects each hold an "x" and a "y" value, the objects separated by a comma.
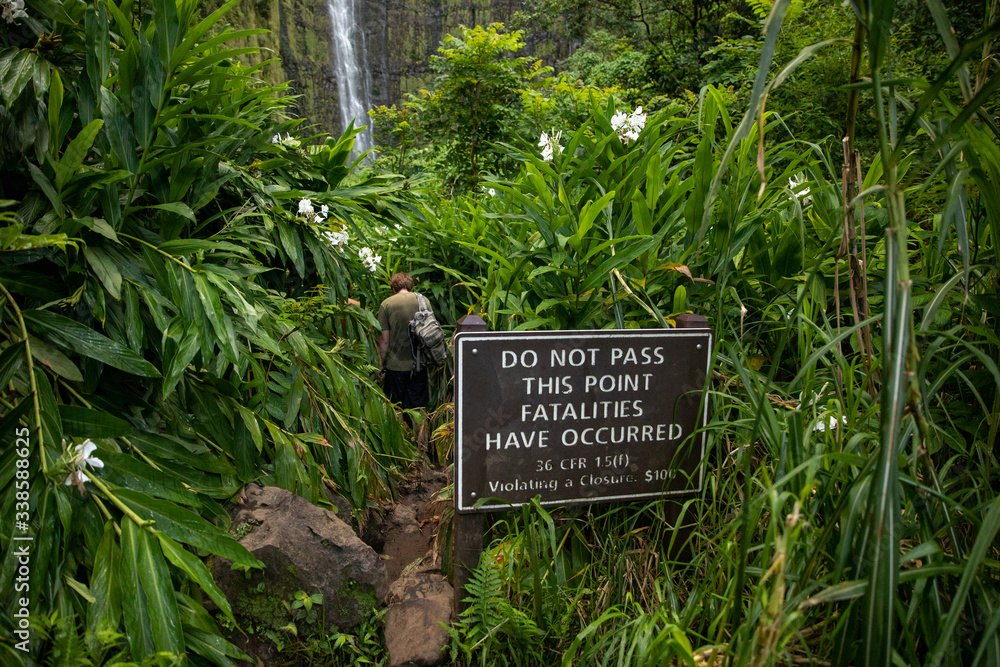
[{"x": 414, "y": 342}]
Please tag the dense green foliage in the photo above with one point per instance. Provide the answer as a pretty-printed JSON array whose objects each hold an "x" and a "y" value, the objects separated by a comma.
[
  {"x": 169, "y": 294},
  {"x": 167, "y": 297}
]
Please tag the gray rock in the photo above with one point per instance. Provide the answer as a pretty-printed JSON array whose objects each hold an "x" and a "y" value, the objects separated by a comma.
[
  {"x": 418, "y": 603},
  {"x": 304, "y": 548}
]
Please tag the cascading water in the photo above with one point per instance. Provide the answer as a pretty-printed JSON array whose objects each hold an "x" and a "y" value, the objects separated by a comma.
[{"x": 349, "y": 66}]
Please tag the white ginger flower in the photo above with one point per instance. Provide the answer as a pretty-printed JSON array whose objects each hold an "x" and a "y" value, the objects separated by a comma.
[
  {"x": 369, "y": 258},
  {"x": 81, "y": 459},
  {"x": 795, "y": 183},
  {"x": 628, "y": 126},
  {"x": 550, "y": 145},
  {"x": 831, "y": 423},
  {"x": 324, "y": 212},
  {"x": 13, "y": 9},
  {"x": 306, "y": 207},
  {"x": 336, "y": 239},
  {"x": 287, "y": 140}
]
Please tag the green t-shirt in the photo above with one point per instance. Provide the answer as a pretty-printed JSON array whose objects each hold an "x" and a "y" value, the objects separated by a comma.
[{"x": 394, "y": 316}]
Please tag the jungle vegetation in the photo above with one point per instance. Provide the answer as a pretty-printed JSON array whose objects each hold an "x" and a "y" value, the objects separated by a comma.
[{"x": 819, "y": 180}]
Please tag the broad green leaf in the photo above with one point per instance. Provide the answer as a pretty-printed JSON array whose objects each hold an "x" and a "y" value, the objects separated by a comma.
[
  {"x": 622, "y": 258},
  {"x": 132, "y": 473},
  {"x": 105, "y": 269},
  {"x": 119, "y": 131},
  {"x": 196, "y": 32},
  {"x": 100, "y": 226},
  {"x": 168, "y": 635},
  {"x": 43, "y": 182},
  {"x": 292, "y": 245},
  {"x": 138, "y": 627},
  {"x": 250, "y": 419},
  {"x": 210, "y": 301},
  {"x": 181, "y": 247},
  {"x": 12, "y": 417},
  {"x": 187, "y": 527},
  {"x": 10, "y": 361},
  {"x": 54, "y": 107},
  {"x": 589, "y": 213},
  {"x": 177, "y": 362},
  {"x": 196, "y": 570},
  {"x": 83, "y": 422},
  {"x": 87, "y": 342},
  {"x": 16, "y": 73},
  {"x": 52, "y": 433},
  {"x": 76, "y": 152},
  {"x": 178, "y": 207},
  {"x": 105, "y": 613},
  {"x": 165, "y": 447}
]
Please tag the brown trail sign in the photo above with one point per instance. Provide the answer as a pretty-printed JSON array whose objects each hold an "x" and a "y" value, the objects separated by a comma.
[{"x": 574, "y": 417}]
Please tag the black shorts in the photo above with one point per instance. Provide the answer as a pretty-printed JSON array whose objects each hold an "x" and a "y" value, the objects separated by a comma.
[{"x": 407, "y": 388}]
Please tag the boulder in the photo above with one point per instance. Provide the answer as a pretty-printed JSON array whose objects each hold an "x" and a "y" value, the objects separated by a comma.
[
  {"x": 418, "y": 603},
  {"x": 304, "y": 548}
]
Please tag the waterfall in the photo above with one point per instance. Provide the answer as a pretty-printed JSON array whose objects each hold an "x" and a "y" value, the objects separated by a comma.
[{"x": 350, "y": 68}]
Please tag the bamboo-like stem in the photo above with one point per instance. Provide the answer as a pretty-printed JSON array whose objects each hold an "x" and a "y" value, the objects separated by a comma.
[
  {"x": 31, "y": 379},
  {"x": 126, "y": 510},
  {"x": 165, "y": 254}
]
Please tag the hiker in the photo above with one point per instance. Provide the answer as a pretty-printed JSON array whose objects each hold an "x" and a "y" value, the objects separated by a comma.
[{"x": 402, "y": 385}]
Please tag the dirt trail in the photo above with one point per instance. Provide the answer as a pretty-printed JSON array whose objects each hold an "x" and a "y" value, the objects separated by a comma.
[{"x": 407, "y": 532}]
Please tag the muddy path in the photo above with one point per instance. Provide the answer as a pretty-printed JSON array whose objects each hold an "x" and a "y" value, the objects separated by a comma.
[{"x": 409, "y": 529}]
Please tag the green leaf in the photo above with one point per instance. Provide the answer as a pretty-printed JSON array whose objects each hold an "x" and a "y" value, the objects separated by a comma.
[
  {"x": 105, "y": 269},
  {"x": 12, "y": 417},
  {"x": 138, "y": 628},
  {"x": 87, "y": 342},
  {"x": 187, "y": 527},
  {"x": 43, "y": 182},
  {"x": 178, "y": 207},
  {"x": 196, "y": 570},
  {"x": 985, "y": 542},
  {"x": 195, "y": 33},
  {"x": 212, "y": 305},
  {"x": 131, "y": 473},
  {"x": 588, "y": 214},
  {"x": 180, "y": 247},
  {"x": 250, "y": 419},
  {"x": 291, "y": 243},
  {"x": 52, "y": 433},
  {"x": 10, "y": 361},
  {"x": 119, "y": 131},
  {"x": 100, "y": 226},
  {"x": 105, "y": 613},
  {"x": 54, "y": 107},
  {"x": 83, "y": 422},
  {"x": 16, "y": 74},
  {"x": 76, "y": 152},
  {"x": 167, "y": 448},
  {"x": 154, "y": 575},
  {"x": 623, "y": 258},
  {"x": 178, "y": 362}
]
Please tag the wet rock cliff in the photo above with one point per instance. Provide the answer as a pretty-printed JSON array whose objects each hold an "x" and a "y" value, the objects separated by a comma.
[{"x": 394, "y": 37}]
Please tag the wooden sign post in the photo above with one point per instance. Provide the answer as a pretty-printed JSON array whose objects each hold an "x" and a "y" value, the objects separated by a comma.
[{"x": 574, "y": 417}]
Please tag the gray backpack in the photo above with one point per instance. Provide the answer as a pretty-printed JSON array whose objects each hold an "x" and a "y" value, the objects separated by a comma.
[{"x": 426, "y": 338}]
